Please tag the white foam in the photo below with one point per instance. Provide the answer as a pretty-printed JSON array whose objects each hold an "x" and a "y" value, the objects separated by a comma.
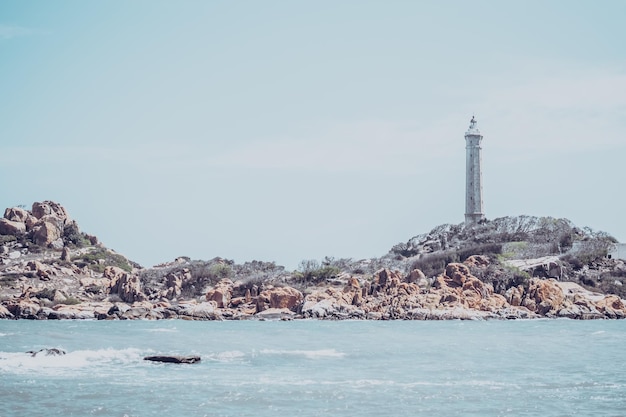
[
  {"x": 228, "y": 356},
  {"x": 24, "y": 363},
  {"x": 309, "y": 354},
  {"x": 172, "y": 330}
]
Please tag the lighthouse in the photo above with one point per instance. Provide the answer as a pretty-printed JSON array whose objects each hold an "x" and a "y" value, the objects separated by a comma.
[{"x": 473, "y": 175}]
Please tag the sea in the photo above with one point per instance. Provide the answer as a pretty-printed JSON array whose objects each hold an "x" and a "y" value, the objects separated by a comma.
[{"x": 315, "y": 368}]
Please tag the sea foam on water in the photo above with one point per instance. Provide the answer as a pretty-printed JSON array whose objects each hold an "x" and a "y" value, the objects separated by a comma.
[{"x": 313, "y": 368}]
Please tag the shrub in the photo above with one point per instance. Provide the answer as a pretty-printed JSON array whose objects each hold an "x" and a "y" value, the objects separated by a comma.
[
  {"x": 434, "y": 264},
  {"x": 100, "y": 258},
  {"x": 502, "y": 277},
  {"x": 71, "y": 301},
  {"x": 72, "y": 234},
  {"x": 312, "y": 272},
  {"x": 204, "y": 274}
]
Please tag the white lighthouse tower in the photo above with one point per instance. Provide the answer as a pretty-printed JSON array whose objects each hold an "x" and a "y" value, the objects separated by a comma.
[{"x": 473, "y": 175}]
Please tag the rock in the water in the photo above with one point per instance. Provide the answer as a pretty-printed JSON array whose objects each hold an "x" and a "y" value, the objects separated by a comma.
[
  {"x": 47, "y": 352},
  {"x": 173, "y": 359}
]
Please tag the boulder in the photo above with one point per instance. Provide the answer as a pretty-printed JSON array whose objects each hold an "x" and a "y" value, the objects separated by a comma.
[
  {"x": 46, "y": 232},
  {"x": 174, "y": 283},
  {"x": 456, "y": 274},
  {"x": 16, "y": 214},
  {"x": 205, "y": 311},
  {"x": 72, "y": 312},
  {"x": 8, "y": 227},
  {"x": 43, "y": 271},
  {"x": 47, "y": 352},
  {"x": 514, "y": 295},
  {"x": 173, "y": 359},
  {"x": 333, "y": 304},
  {"x": 612, "y": 307},
  {"x": 137, "y": 312},
  {"x": 283, "y": 297},
  {"x": 124, "y": 284},
  {"x": 44, "y": 208},
  {"x": 23, "y": 309},
  {"x": 546, "y": 295},
  {"x": 384, "y": 279},
  {"x": 4, "y": 313},
  {"x": 222, "y": 293},
  {"x": 416, "y": 276}
]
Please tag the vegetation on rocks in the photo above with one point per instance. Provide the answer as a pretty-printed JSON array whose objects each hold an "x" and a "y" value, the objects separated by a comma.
[
  {"x": 99, "y": 258},
  {"x": 511, "y": 267}
]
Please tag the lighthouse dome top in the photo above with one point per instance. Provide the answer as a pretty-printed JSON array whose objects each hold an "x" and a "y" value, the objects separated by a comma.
[{"x": 473, "y": 130}]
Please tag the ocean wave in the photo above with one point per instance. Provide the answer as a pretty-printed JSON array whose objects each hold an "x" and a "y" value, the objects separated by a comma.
[
  {"x": 171, "y": 330},
  {"x": 228, "y": 356},
  {"x": 24, "y": 363},
  {"x": 309, "y": 354}
]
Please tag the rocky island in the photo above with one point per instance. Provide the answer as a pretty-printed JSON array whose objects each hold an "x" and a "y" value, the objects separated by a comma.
[{"x": 508, "y": 268}]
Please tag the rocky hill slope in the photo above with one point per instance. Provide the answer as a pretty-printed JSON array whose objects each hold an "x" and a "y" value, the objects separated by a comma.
[{"x": 512, "y": 267}]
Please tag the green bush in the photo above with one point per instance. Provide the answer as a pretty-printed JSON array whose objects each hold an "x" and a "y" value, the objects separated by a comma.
[
  {"x": 434, "y": 264},
  {"x": 100, "y": 258},
  {"x": 73, "y": 235},
  {"x": 502, "y": 277},
  {"x": 310, "y": 271}
]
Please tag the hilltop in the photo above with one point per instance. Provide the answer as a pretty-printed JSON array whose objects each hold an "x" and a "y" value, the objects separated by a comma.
[{"x": 511, "y": 267}]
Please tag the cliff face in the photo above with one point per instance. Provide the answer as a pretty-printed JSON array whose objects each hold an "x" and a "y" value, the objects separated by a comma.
[{"x": 522, "y": 267}]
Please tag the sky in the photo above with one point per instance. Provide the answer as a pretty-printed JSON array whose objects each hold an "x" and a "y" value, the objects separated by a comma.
[{"x": 290, "y": 130}]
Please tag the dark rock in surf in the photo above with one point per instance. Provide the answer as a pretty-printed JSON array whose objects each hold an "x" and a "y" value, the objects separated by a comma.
[
  {"x": 47, "y": 352},
  {"x": 173, "y": 359}
]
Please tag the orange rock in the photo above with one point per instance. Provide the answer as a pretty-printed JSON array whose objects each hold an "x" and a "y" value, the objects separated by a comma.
[
  {"x": 456, "y": 274},
  {"x": 612, "y": 306},
  {"x": 478, "y": 261},
  {"x": 353, "y": 285},
  {"x": 126, "y": 285},
  {"x": 285, "y": 297},
  {"x": 221, "y": 294},
  {"x": 546, "y": 294}
]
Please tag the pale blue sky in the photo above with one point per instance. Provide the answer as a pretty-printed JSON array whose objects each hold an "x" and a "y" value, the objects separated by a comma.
[{"x": 284, "y": 130}]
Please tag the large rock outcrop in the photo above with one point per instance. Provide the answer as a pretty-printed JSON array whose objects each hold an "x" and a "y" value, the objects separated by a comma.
[
  {"x": 126, "y": 285},
  {"x": 45, "y": 223},
  {"x": 222, "y": 293},
  {"x": 279, "y": 298},
  {"x": 13, "y": 228}
]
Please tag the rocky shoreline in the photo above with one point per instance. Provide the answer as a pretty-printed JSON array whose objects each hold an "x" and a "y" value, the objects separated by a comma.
[
  {"x": 49, "y": 270},
  {"x": 455, "y": 295}
]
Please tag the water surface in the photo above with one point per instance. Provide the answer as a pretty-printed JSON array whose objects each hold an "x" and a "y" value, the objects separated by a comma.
[{"x": 315, "y": 368}]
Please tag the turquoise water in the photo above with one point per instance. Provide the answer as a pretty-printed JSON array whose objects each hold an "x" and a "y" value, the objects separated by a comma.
[{"x": 315, "y": 368}]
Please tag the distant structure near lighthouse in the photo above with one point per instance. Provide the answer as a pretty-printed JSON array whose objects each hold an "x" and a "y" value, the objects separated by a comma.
[{"x": 473, "y": 175}]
